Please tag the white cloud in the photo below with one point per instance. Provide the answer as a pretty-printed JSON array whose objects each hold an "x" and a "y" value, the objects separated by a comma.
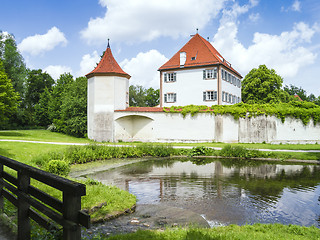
[
  {"x": 38, "y": 44},
  {"x": 296, "y": 6},
  {"x": 285, "y": 52},
  {"x": 56, "y": 70},
  {"x": 254, "y": 17},
  {"x": 144, "y": 20},
  {"x": 88, "y": 63},
  {"x": 143, "y": 68}
]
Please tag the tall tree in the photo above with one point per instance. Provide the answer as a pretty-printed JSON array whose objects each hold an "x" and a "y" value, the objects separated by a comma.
[
  {"x": 37, "y": 81},
  {"x": 55, "y": 103},
  {"x": 13, "y": 62},
  {"x": 263, "y": 85},
  {"x": 73, "y": 111},
  {"x": 293, "y": 90},
  {"x": 141, "y": 97},
  {"x": 9, "y": 98}
]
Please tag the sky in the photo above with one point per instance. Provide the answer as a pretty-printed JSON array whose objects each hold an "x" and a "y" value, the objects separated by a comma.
[{"x": 60, "y": 36}]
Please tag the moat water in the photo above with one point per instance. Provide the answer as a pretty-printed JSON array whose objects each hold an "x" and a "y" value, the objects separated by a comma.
[{"x": 226, "y": 191}]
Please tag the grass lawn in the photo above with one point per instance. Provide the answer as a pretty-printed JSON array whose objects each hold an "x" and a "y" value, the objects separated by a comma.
[
  {"x": 246, "y": 232},
  {"x": 47, "y": 136},
  {"x": 41, "y": 135},
  {"x": 117, "y": 200}
]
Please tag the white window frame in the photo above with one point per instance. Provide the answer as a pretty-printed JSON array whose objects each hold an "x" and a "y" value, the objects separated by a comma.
[
  {"x": 210, "y": 73},
  {"x": 170, "y": 97},
  {"x": 170, "y": 77},
  {"x": 210, "y": 95}
]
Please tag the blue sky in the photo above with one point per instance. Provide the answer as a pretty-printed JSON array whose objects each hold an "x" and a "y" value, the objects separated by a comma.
[{"x": 70, "y": 35}]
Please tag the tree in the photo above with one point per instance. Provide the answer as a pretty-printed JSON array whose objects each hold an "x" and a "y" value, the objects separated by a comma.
[
  {"x": 13, "y": 62},
  {"x": 9, "y": 99},
  {"x": 37, "y": 82},
  {"x": 57, "y": 91},
  {"x": 73, "y": 110},
  {"x": 41, "y": 109},
  {"x": 293, "y": 90},
  {"x": 141, "y": 97},
  {"x": 263, "y": 85}
]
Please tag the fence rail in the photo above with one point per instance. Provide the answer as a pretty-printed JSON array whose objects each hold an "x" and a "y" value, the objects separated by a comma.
[{"x": 45, "y": 208}]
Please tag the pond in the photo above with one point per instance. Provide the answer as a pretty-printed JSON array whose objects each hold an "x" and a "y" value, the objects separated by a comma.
[{"x": 225, "y": 191}]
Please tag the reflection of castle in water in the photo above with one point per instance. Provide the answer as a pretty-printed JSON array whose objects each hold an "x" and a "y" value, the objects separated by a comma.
[
  {"x": 185, "y": 180},
  {"x": 225, "y": 192}
]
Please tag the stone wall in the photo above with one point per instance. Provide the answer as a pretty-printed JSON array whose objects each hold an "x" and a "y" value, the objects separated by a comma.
[{"x": 205, "y": 127}]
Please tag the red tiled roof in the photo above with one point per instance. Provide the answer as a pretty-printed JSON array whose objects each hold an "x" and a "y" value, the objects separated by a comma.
[
  {"x": 203, "y": 51},
  {"x": 141, "y": 109},
  {"x": 108, "y": 66},
  {"x": 298, "y": 97}
]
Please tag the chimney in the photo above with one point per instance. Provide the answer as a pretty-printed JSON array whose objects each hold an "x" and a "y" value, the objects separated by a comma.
[{"x": 183, "y": 58}]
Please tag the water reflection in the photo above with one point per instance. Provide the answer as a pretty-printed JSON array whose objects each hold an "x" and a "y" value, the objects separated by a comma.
[{"x": 226, "y": 191}]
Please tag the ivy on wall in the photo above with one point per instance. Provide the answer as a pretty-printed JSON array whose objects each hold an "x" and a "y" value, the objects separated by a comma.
[{"x": 305, "y": 111}]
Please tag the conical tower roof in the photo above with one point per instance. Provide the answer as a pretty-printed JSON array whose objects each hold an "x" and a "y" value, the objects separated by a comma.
[
  {"x": 200, "y": 53},
  {"x": 108, "y": 66}
]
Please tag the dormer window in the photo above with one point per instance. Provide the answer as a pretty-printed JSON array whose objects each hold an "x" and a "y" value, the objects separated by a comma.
[
  {"x": 210, "y": 73},
  {"x": 193, "y": 58}
]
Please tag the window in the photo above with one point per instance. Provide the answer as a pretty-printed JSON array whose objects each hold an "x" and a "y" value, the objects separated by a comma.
[
  {"x": 230, "y": 97},
  {"x": 170, "y": 77},
  {"x": 170, "y": 97},
  {"x": 210, "y": 96},
  {"x": 229, "y": 77},
  {"x": 222, "y": 74},
  {"x": 223, "y": 93},
  {"x": 210, "y": 73}
]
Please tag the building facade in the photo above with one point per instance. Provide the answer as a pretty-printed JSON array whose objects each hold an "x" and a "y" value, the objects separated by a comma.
[{"x": 197, "y": 74}]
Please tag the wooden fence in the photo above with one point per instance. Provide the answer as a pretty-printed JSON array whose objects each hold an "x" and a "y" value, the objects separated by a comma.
[{"x": 46, "y": 210}]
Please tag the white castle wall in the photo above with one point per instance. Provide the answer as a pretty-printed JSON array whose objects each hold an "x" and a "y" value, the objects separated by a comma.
[{"x": 205, "y": 127}]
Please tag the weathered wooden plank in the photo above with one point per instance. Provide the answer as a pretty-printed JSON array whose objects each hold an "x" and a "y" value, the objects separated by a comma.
[
  {"x": 24, "y": 228},
  {"x": 11, "y": 198},
  {"x": 52, "y": 180},
  {"x": 42, "y": 221},
  {"x": 84, "y": 219},
  {"x": 71, "y": 208},
  {"x": 45, "y": 198}
]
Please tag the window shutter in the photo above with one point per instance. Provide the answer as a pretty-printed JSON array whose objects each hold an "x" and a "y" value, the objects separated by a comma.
[
  {"x": 204, "y": 96},
  {"x": 215, "y": 73},
  {"x": 165, "y": 77},
  {"x": 174, "y": 77},
  {"x": 204, "y": 74},
  {"x": 215, "y": 95},
  {"x": 165, "y": 98},
  {"x": 174, "y": 97}
]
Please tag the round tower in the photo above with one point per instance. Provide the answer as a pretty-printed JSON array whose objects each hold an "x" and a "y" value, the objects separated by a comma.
[{"x": 108, "y": 90}]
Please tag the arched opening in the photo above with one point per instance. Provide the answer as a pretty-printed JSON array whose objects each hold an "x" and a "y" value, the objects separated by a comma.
[{"x": 135, "y": 126}]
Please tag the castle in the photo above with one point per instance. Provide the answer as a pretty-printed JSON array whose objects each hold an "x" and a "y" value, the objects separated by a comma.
[{"x": 197, "y": 74}]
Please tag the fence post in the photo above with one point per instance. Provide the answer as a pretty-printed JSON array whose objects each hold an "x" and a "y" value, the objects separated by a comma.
[
  {"x": 1, "y": 187},
  {"x": 23, "y": 207},
  {"x": 71, "y": 208}
]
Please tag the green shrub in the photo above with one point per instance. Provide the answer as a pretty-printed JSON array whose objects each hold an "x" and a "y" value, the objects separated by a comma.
[
  {"x": 242, "y": 152},
  {"x": 201, "y": 151},
  {"x": 58, "y": 167}
]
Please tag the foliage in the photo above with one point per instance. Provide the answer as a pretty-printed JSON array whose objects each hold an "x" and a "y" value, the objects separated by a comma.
[
  {"x": 293, "y": 90},
  {"x": 201, "y": 151},
  {"x": 242, "y": 152},
  {"x": 9, "y": 99},
  {"x": 256, "y": 231},
  {"x": 58, "y": 167},
  {"x": 263, "y": 85},
  {"x": 13, "y": 62},
  {"x": 141, "y": 97},
  {"x": 305, "y": 111},
  {"x": 93, "y": 152},
  {"x": 41, "y": 109}
]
